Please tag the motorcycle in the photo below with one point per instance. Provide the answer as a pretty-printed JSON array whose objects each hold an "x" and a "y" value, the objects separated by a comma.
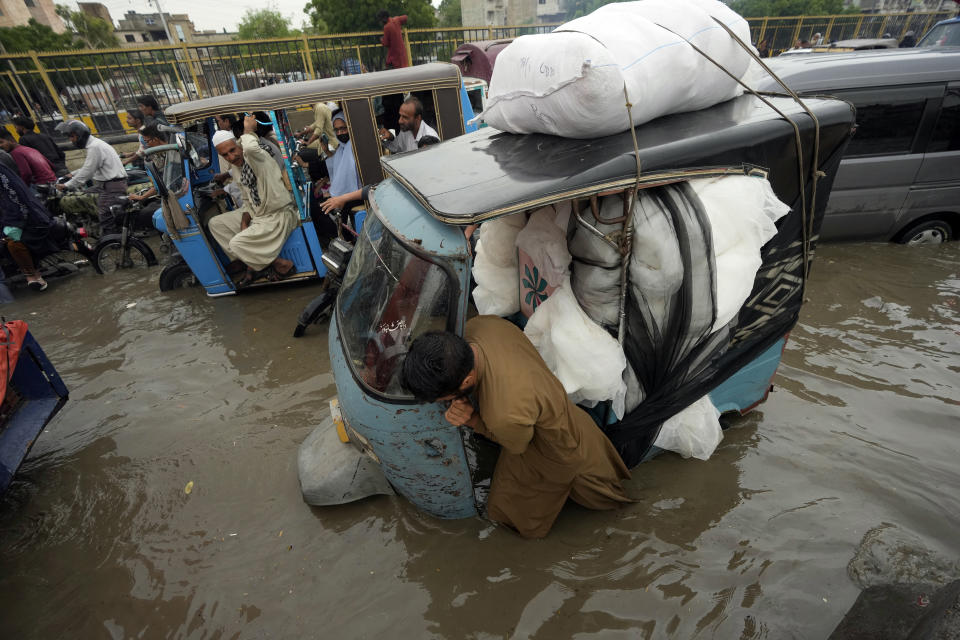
[
  {"x": 72, "y": 248},
  {"x": 123, "y": 250}
]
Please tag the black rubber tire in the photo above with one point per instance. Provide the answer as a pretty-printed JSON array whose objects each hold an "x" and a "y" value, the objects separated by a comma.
[
  {"x": 315, "y": 310},
  {"x": 927, "y": 232},
  {"x": 106, "y": 256},
  {"x": 177, "y": 275}
]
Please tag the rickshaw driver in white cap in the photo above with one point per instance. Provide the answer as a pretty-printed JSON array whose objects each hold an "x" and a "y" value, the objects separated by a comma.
[{"x": 255, "y": 233}]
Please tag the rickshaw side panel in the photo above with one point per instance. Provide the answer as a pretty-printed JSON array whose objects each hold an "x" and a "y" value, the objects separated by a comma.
[
  {"x": 749, "y": 386},
  {"x": 419, "y": 452}
]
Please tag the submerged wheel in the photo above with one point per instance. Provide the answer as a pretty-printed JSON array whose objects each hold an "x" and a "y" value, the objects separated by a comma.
[
  {"x": 108, "y": 257},
  {"x": 177, "y": 276},
  {"x": 929, "y": 232},
  {"x": 61, "y": 263}
]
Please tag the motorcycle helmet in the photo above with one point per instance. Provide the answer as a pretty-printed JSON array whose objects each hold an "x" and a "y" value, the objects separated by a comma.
[{"x": 75, "y": 128}]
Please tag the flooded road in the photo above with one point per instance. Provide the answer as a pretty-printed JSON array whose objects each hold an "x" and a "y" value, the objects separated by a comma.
[{"x": 100, "y": 539}]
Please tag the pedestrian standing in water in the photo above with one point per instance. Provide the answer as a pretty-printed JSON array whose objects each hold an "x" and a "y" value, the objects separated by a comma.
[{"x": 551, "y": 449}]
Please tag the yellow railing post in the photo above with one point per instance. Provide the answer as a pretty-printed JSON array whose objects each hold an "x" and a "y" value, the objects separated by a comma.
[
  {"x": 826, "y": 35},
  {"x": 50, "y": 87},
  {"x": 883, "y": 27},
  {"x": 308, "y": 58},
  {"x": 23, "y": 97},
  {"x": 796, "y": 33},
  {"x": 360, "y": 59},
  {"x": 856, "y": 31},
  {"x": 763, "y": 31},
  {"x": 406, "y": 42},
  {"x": 193, "y": 72}
]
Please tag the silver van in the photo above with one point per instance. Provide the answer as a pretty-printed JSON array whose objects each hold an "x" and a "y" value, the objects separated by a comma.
[{"x": 900, "y": 176}]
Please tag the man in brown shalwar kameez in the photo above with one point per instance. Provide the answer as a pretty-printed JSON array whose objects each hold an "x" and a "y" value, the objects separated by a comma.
[{"x": 550, "y": 448}]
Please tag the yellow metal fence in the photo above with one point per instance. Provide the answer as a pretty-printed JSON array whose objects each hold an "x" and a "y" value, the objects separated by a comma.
[{"x": 98, "y": 86}]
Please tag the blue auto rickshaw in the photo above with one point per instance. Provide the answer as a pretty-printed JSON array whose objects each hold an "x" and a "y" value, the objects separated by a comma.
[
  {"x": 185, "y": 176},
  {"x": 410, "y": 273}
]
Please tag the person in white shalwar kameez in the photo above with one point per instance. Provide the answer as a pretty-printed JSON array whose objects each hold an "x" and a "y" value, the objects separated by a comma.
[{"x": 255, "y": 233}]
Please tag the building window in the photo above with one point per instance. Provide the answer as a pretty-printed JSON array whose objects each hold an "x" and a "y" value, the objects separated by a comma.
[
  {"x": 29, "y": 3},
  {"x": 129, "y": 37},
  {"x": 179, "y": 30},
  {"x": 542, "y": 1},
  {"x": 149, "y": 21},
  {"x": 145, "y": 37}
]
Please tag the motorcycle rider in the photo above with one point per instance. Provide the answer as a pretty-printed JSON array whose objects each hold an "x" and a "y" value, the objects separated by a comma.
[
  {"x": 25, "y": 224},
  {"x": 103, "y": 165}
]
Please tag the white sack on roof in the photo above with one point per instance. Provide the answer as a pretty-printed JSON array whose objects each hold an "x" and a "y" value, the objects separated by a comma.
[
  {"x": 495, "y": 267},
  {"x": 587, "y": 360},
  {"x": 571, "y": 82},
  {"x": 694, "y": 432}
]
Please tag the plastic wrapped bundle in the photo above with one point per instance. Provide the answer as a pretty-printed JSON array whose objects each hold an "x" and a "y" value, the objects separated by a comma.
[
  {"x": 694, "y": 432},
  {"x": 742, "y": 212},
  {"x": 586, "y": 359},
  {"x": 597, "y": 263},
  {"x": 571, "y": 82},
  {"x": 544, "y": 260},
  {"x": 495, "y": 267}
]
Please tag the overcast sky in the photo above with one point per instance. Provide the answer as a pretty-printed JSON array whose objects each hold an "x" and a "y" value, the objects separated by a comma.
[{"x": 208, "y": 14}]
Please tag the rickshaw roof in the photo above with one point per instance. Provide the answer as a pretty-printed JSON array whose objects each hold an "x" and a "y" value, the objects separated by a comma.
[
  {"x": 434, "y": 75},
  {"x": 489, "y": 173}
]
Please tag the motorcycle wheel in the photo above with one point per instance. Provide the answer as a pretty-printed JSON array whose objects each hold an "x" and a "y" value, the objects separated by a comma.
[
  {"x": 61, "y": 263},
  {"x": 177, "y": 276},
  {"x": 108, "y": 257}
]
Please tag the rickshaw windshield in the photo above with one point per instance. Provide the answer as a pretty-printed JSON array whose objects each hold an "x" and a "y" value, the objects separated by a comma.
[
  {"x": 389, "y": 296},
  {"x": 173, "y": 175}
]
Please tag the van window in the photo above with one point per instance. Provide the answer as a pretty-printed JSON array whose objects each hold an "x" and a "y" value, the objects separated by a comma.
[
  {"x": 886, "y": 126},
  {"x": 946, "y": 134}
]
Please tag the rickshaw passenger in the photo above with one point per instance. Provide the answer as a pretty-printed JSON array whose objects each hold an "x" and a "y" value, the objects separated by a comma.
[
  {"x": 412, "y": 128},
  {"x": 255, "y": 233},
  {"x": 550, "y": 448},
  {"x": 341, "y": 164},
  {"x": 322, "y": 124}
]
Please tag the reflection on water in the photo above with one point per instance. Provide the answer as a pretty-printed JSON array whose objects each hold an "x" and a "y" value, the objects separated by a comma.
[{"x": 101, "y": 540}]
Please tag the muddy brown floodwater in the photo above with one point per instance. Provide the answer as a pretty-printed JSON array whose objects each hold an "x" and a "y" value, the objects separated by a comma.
[{"x": 100, "y": 540}]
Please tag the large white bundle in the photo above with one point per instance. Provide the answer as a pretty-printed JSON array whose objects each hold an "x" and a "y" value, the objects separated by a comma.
[
  {"x": 587, "y": 360},
  {"x": 571, "y": 82},
  {"x": 495, "y": 267},
  {"x": 695, "y": 431},
  {"x": 742, "y": 211}
]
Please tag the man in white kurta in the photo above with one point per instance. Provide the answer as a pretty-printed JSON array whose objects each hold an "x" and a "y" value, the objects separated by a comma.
[{"x": 255, "y": 233}]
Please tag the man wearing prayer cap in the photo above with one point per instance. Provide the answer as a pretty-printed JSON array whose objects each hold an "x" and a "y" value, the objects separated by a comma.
[{"x": 254, "y": 233}]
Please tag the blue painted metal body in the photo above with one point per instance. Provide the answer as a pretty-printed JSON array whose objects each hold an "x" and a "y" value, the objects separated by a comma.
[
  {"x": 749, "y": 386},
  {"x": 418, "y": 451},
  {"x": 42, "y": 394}
]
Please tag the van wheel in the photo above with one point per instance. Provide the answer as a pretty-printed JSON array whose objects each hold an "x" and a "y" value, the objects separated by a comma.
[
  {"x": 177, "y": 276},
  {"x": 929, "y": 232}
]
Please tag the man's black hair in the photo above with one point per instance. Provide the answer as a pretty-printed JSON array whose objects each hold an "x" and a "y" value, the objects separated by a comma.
[
  {"x": 6, "y": 135},
  {"x": 23, "y": 121},
  {"x": 149, "y": 101},
  {"x": 436, "y": 365},
  {"x": 136, "y": 114},
  {"x": 152, "y": 131},
  {"x": 426, "y": 141},
  {"x": 383, "y": 14},
  {"x": 417, "y": 105},
  {"x": 231, "y": 118}
]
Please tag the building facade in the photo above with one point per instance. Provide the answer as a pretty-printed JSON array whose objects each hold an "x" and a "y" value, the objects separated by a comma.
[
  {"x": 497, "y": 13},
  {"x": 138, "y": 29},
  {"x": 900, "y": 6},
  {"x": 17, "y": 13},
  {"x": 96, "y": 10}
]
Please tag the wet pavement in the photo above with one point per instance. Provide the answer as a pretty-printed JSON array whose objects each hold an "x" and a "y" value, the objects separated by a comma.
[{"x": 100, "y": 539}]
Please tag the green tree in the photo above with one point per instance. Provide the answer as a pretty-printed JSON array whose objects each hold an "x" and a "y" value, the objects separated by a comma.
[
  {"x": 93, "y": 32},
  {"x": 263, "y": 23},
  {"x": 450, "y": 14},
  {"x": 37, "y": 37},
  {"x": 346, "y": 16},
  {"x": 770, "y": 8}
]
